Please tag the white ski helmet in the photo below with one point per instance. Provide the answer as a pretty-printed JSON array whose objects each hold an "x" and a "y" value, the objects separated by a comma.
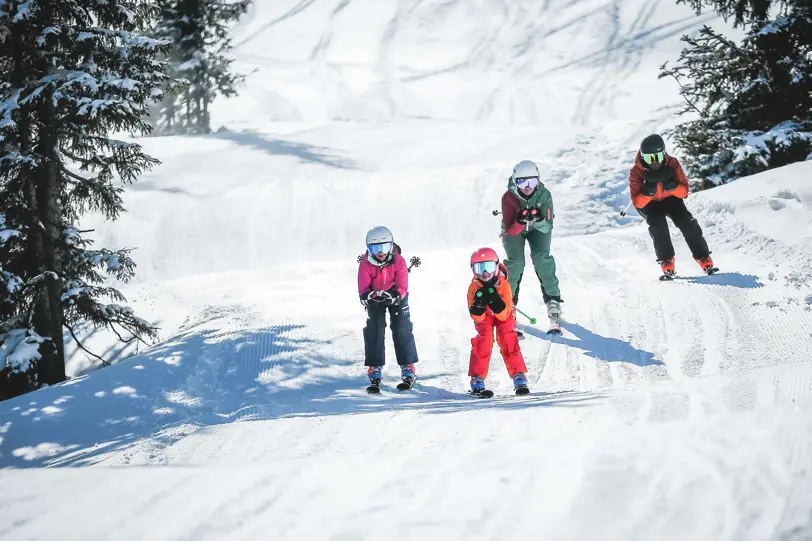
[
  {"x": 525, "y": 169},
  {"x": 379, "y": 234}
]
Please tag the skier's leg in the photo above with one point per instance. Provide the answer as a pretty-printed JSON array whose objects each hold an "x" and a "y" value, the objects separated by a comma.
[
  {"x": 481, "y": 347},
  {"x": 514, "y": 251},
  {"x": 544, "y": 264},
  {"x": 689, "y": 227},
  {"x": 509, "y": 346},
  {"x": 374, "y": 351},
  {"x": 402, "y": 336},
  {"x": 654, "y": 213}
]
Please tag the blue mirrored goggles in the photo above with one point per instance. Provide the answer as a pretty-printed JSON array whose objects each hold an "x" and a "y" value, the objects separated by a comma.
[
  {"x": 524, "y": 182},
  {"x": 658, "y": 157},
  {"x": 484, "y": 266},
  {"x": 380, "y": 247}
]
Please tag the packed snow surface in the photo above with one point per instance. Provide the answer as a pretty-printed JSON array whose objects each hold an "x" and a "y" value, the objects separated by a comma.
[{"x": 665, "y": 410}]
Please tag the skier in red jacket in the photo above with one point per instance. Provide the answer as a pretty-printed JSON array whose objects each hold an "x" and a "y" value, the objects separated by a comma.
[
  {"x": 658, "y": 188},
  {"x": 490, "y": 303}
]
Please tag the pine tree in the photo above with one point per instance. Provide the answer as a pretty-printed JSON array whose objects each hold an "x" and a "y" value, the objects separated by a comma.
[
  {"x": 752, "y": 100},
  {"x": 198, "y": 30},
  {"x": 73, "y": 72}
]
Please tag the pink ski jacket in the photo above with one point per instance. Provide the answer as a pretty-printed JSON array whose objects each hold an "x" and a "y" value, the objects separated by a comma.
[{"x": 372, "y": 277}]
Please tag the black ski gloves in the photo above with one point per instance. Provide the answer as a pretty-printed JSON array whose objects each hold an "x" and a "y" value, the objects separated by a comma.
[
  {"x": 670, "y": 184},
  {"x": 477, "y": 307},
  {"x": 487, "y": 296},
  {"x": 497, "y": 304},
  {"x": 393, "y": 298},
  {"x": 665, "y": 175},
  {"x": 388, "y": 298},
  {"x": 649, "y": 188},
  {"x": 529, "y": 214}
]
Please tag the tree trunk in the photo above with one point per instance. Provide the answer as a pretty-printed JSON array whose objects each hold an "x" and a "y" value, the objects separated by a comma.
[
  {"x": 205, "y": 121},
  {"x": 46, "y": 317},
  {"x": 48, "y": 312}
]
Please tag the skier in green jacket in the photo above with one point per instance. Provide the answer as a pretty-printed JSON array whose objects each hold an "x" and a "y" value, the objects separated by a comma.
[{"x": 527, "y": 215}]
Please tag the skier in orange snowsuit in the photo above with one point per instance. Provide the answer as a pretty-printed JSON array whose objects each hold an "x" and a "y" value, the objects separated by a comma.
[{"x": 490, "y": 303}]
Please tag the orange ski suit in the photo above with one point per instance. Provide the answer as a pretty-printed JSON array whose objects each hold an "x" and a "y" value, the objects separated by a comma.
[{"x": 505, "y": 324}]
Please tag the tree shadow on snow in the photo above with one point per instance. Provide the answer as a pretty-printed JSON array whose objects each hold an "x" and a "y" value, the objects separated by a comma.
[
  {"x": 201, "y": 378},
  {"x": 597, "y": 346},
  {"x": 730, "y": 279},
  {"x": 302, "y": 151}
]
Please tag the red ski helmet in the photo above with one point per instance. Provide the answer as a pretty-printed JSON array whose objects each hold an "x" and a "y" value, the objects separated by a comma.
[
  {"x": 484, "y": 254},
  {"x": 484, "y": 260}
]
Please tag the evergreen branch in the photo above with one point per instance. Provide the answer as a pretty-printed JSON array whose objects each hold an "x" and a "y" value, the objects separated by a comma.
[
  {"x": 665, "y": 71},
  {"x": 78, "y": 178},
  {"x": 82, "y": 347},
  {"x": 121, "y": 338}
]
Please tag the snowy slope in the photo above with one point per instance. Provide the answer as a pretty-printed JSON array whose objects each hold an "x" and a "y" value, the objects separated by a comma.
[{"x": 665, "y": 410}]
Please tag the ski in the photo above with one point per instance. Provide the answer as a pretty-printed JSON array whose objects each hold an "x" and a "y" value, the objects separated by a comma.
[
  {"x": 522, "y": 390},
  {"x": 520, "y": 334},
  {"x": 406, "y": 384}
]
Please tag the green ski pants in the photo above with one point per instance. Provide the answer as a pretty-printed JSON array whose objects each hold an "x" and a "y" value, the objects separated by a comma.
[{"x": 543, "y": 262}]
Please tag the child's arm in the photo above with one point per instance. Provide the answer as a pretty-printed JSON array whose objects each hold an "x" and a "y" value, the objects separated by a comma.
[
  {"x": 401, "y": 276},
  {"x": 681, "y": 190},
  {"x": 364, "y": 278},
  {"x": 639, "y": 199},
  {"x": 547, "y": 214},
  {"x": 502, "y": 304},
  {"x": 476, "y": 305},
  {"x": 510, "y": 207}
]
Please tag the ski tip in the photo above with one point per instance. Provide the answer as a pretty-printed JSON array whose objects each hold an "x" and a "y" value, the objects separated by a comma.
[
  {"x": 482, "y": 394},
  {"x": 521, "y": 391},
  {"x": 373, "y": 389},
  {"x": 554, "y": 331},
  {"x": 712, "y": 271},
  {"x": 666, "y": 278}
]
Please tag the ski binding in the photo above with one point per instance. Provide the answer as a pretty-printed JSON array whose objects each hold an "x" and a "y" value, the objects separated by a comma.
[{"x": 406, "y": 384}]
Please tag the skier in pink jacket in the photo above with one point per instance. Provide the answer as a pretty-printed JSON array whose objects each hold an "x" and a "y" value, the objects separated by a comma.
[{"x": 383, "y": 284}]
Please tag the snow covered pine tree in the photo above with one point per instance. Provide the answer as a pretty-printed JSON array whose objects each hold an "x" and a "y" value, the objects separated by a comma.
[
  {"x": 754, "y": 98},
  {"x": 72, "y": 72},
  {"x": 200, "y": 39}
]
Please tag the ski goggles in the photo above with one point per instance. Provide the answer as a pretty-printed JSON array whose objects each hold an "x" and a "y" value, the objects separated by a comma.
[
  {"x": 482, "y": 267},
  {"x": 658, "y": 157},
  {"x": 525, "y": 182},
  {"x": 380, "y": 247}
]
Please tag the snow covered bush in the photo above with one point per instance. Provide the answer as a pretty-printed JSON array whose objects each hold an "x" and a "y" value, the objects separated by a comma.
[{"x": 751, "y": 102}]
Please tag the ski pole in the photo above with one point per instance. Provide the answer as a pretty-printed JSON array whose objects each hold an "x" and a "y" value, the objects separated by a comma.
[
  {"x": 532, "y": 319},
  {"x": 623, "y": 212}
]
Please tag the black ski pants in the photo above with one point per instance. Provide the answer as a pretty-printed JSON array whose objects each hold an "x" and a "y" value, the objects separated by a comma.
[
  {"x": 401, "y": 325},
  {"x": 655, "y": 214}
]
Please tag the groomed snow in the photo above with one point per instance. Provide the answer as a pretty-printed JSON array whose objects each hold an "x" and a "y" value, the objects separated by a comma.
[{"x": 674, "y": 410}]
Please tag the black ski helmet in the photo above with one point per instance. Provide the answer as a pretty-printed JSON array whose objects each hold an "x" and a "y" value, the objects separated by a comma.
[{"x": 652, "y": 144}]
